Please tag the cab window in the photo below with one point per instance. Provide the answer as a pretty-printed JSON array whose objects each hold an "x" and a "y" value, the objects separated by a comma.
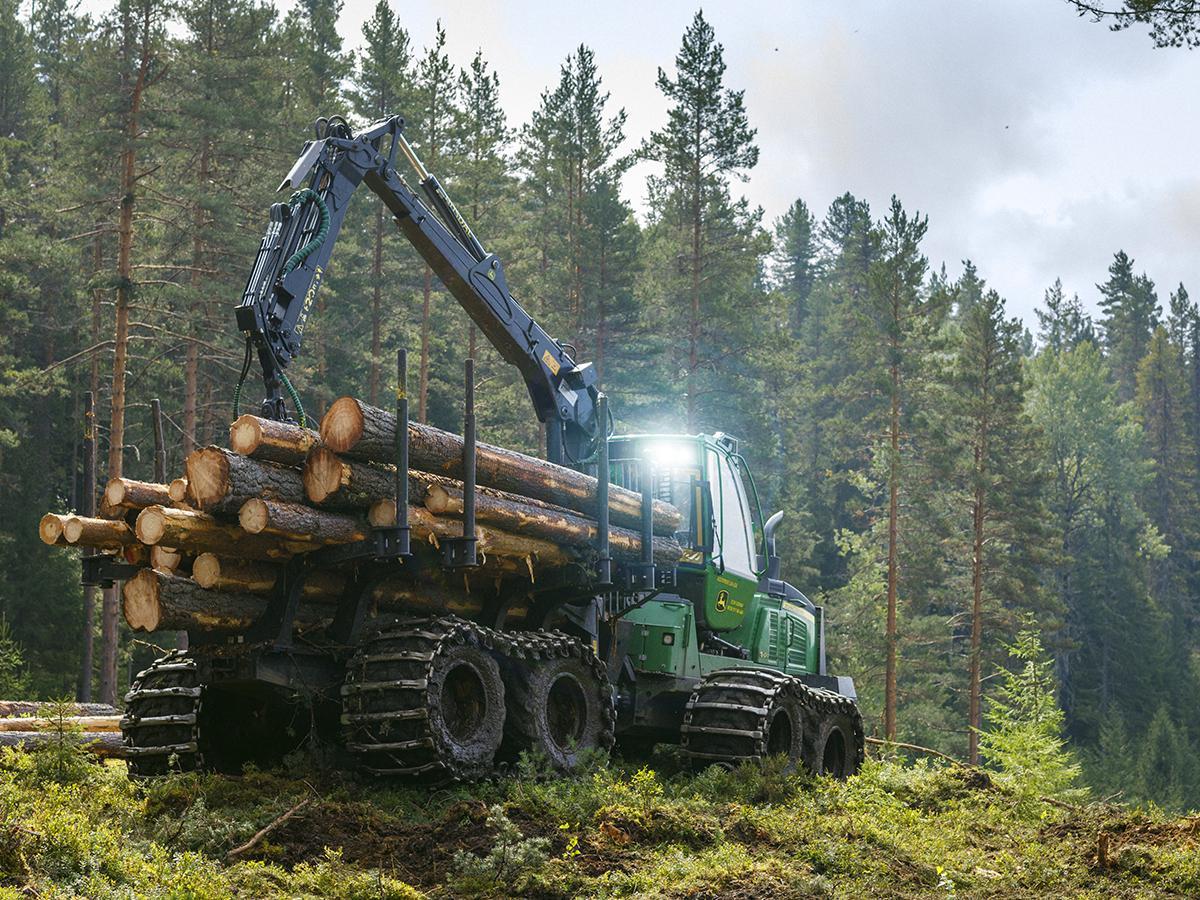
[{"x": 733, "y": 515}]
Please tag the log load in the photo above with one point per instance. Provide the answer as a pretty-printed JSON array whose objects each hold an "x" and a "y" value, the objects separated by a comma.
[
  {"x": 50, "y": 529},
  {"x": 154, "y": 601},
  {"x": 199, "y": 533},
  {"x": 338, "y": 483},
  {"x": 253, "y": 577},
  {"x": 126, "y": 493},
  {"x": 298, "y": 522},
  {"x": 103, "y": 534},
  {"x": 177, "y": 490},
  {"x": 367, "y": 433},
  {"x": 521, "y": 515},
  {"x": 220, "y": 481},
  {"x": 276, "y": 442}
]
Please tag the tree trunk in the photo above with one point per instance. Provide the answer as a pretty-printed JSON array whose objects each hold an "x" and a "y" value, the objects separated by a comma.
[
  {"x": 271, "y": 441},
  {"x": 220, "y": 481},
  {"x": 363, "y": 432},
  {"x": 977, "y": 519},
  {"x": 103, "y": 534},
  {"x": 893, "y": 560}
]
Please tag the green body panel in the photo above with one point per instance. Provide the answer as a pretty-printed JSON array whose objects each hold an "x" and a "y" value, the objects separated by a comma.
[{"x": 662, "y": 639}]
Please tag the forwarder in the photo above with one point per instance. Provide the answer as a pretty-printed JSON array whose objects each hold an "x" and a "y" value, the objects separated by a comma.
[{"x": 715, "y": 651}]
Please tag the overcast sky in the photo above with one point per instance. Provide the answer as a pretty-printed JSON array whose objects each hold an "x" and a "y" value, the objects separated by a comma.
[{"x": 1038, "y": 143}]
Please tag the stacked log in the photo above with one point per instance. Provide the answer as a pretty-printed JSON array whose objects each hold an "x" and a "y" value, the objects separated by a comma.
[{"x": 214, "y": 544}]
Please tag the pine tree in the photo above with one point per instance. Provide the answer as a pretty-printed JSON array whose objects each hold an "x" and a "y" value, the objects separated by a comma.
[
  {"x": 383, "y": 86},
  {"x": 998, "y": 471},
  {"x": 707, "y": 142},
  {"x": 1063, "y": 325}
]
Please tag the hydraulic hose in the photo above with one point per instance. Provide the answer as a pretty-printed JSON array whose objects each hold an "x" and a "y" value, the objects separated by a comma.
[{"x": 322, "y": 229}]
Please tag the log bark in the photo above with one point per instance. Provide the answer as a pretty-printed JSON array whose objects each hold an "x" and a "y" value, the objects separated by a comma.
[
  {"x": 103, "y": 534},
  {"x": 363, "y": 432},
  {"x": 40, "y": 707},
  {"x": 247, "y": 576},
  {"x": 275, "y": 442},
  {"x": 104, "y": 744},
  {"x": 197, "y": 532},
  {"x": 127, "y": 493},
  {"x": 517, "y": 515},
  {"x": 298, "y": 522},
  {"x": 220, "y": 481},
  {"x": 154, "y": 601},
  {"x": 50, "y": 529},
  {"x": 87, "y": 723},
  {"x": 340, "y": 483}
]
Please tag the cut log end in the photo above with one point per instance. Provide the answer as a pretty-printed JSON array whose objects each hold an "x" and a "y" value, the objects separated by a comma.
[
  {"x": 140, "y": 601},
  {"x": 207, "y": 476},
  {"x": 254, "y": 516},
  {"x": 206, "y": 570},
  {"x": 114, "y": 492},
  {"x": 177, "y": 490},
  {"x": 382, "y": 514},
  {"x": 322, "y": 474},
  {"x": 50, "y": 529},
  {"x": 151, "y": 523},
  {"x": 342, "y": 426},
  {"x": 245, "y": 435},
  {"x": 438, "y": 500}
]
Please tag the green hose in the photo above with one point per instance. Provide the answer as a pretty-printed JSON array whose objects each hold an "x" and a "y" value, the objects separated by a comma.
[
  {"x": 322, "y": 230},
  {"x": 287, "y": 385}
]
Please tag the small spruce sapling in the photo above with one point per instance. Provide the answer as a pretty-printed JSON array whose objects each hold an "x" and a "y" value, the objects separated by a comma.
[{"x": 1023, "y": 740}]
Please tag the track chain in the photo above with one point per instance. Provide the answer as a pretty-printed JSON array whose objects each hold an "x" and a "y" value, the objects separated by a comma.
[
  {"x": 161, "y": 724},
  {"x": 725, "y": 720},
  {"x": 386, "y": 698}
]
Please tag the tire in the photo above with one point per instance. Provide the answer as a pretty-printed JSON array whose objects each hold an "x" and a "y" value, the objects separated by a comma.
[
  {"x": 741, "y": 715},
  {"x": 559, "y": 707},
  {"x": 427, "y": 700},
  {"x": 834, "y": 745},
  {"x": 161, "y": 722}
]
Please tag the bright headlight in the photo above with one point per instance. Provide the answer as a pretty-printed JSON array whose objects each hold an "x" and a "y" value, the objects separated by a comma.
[{"x": 671, "y": 454}]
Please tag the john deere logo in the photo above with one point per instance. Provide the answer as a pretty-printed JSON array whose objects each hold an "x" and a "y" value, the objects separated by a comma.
[{"x": 722, "y": 600}]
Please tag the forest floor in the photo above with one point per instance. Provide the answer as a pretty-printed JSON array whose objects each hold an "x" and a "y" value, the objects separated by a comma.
[{"x": 82, "y": 829}]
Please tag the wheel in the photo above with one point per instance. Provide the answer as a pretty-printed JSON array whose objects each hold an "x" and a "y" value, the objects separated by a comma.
[
  {"x": 424, "y": 699},
  {"x": 741, "y": 715},
  {"x": 559, "y": 707},
  {"x": 835, "y": 742},
  {"x": 161, "y": 723}
]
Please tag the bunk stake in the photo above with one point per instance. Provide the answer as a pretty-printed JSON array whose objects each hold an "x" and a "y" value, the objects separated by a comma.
[
  {"x": 461, "y": 552},
  {"x": 402, "y": 531},
  {"x": 604, "y": 566}
]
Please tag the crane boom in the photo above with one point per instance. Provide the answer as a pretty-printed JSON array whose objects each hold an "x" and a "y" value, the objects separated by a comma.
[{"x": 294, "y": 254}]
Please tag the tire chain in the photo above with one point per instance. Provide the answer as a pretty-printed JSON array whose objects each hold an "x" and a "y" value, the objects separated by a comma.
[
  {"x": 712, "y": 728},
  {"x": 366, "y": 731},
  {"x": 161, "y": 724}
]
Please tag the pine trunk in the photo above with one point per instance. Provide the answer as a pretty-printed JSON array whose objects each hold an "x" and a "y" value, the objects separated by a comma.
[
  {"x": 271, "y": 441},
  {"x": 197, "y": 532},
  {"x": 893, "y": 561},
  {"x": 220, "y": 481},
  {"x": 126, "y": 493}
]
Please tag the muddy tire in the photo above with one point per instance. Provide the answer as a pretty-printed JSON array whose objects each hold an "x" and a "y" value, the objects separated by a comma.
[
  {"x": 559, "y": 707},
  {"x": 426, "y": 699},
  {"x": 740, "y": 715}
]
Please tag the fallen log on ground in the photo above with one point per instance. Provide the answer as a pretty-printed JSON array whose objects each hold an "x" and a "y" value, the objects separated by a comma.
[
  {"x": 127, "y": 493},
  {"x": 199, "y": 533},
  {"x": 42, "y": 707},
  {"x": 83, "y": 723},
  {"x": 104, "y": 744},
  {"x": 276, "y": 442},
  {"x": 220, "y": 481},
  {"x": 363, "y": 432},
  {"x": 103, "y": 534}
]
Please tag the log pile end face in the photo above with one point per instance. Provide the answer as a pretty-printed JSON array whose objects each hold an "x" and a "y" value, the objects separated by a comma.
[
  {"x": 323, "y": 474},
  {"x": 207, "y": 476},
  {"x": 342, "y": 426}
]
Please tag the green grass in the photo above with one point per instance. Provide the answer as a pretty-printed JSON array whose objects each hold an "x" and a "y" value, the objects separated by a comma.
[{"x": 897, "y": 830}]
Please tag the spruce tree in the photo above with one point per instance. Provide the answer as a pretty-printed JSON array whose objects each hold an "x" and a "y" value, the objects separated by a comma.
[
  {"x": 1063, "y": 324},
  {"x": 795, "y": 259},
  {"x": 1130, "y": 311}
]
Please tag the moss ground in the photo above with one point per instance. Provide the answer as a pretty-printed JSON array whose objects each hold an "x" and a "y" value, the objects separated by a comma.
[{"x": 619, "y": 830}]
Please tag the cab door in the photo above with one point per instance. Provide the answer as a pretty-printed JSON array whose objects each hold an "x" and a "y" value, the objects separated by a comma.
[{"x": 731, "y": 581}]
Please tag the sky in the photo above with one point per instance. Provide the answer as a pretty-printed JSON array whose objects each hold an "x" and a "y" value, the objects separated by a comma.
[{"x": 1038, "y": 143}]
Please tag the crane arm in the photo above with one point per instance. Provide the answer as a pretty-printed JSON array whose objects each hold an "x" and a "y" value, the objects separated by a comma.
[{"x": 294, "y": 254}]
